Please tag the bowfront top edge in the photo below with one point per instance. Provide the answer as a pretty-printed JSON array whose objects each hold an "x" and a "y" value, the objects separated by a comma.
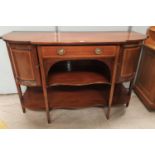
[{"x": 64, "y": 38}]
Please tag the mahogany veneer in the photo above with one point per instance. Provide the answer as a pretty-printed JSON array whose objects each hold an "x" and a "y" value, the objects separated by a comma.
[
  {"x": 145, "y": 81},
  {"x": 76, "y": 78},
  {"x": 70, "y": 97},
  {"x": 73, "y": 69},
  {"x": 78, "y": 73},
  {"x": 70, "y": 38}
]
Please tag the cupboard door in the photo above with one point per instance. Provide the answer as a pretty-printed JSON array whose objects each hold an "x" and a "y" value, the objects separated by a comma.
[
  {"x": 26, "y": 64},
  {"x": 129, "y": 62}
]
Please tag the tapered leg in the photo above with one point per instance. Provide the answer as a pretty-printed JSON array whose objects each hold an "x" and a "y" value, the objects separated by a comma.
[
  {"x": 20, "y": 97},
  {"x": 112, "y": 84},
  {"x": 46, "y": 104},
  {"x": 130, "y": 91},
  {"x": 110, "y": 100},
  {"x": 108, "y": 112},
  {"x": 44, "y": 85}
]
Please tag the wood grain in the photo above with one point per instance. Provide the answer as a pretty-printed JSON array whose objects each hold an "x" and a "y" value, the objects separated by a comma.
[
  {"x": 78, "y": 51},
  {"x": 74, "y": 97},
  {"x": 77, "y": 38},
  {"x": 145, "y": 82}
]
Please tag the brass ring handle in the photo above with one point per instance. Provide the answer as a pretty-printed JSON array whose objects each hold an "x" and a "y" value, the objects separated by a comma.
[
  {"x": 98, "y": 51},
  {"x": 61, "y": 52}
]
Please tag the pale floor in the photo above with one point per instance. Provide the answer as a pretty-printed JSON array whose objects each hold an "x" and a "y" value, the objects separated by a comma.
[{"x": 135, "y": 116}]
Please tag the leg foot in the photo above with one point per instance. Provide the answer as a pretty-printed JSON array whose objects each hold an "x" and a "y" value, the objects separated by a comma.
[
  {"x": 107, "y": 117},
  {"x": 23, "y": 109},
  {"x": 48, "y": 117},
  {"x": 108, "y": 113},
  {"x": 127, "y": 104}
]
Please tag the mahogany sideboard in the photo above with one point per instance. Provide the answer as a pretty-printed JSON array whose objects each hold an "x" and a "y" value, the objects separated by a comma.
[
  {"x": 73, "y": 69},
  {"x": 145, "y": 81}
]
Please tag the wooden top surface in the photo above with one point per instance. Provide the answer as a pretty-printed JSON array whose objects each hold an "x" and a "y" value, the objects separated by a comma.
[{"x": 73, "y": 37}]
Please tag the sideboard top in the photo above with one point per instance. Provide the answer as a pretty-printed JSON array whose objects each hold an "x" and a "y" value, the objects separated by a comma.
[{"x": 45, "y": 38}]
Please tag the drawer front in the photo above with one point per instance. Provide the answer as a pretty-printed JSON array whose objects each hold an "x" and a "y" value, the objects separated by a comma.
[{"x": 78, "y": 51}]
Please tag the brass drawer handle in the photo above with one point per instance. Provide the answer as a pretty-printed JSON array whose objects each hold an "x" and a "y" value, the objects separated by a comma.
[
  {"x": 98, "y": 51},
  {"x": 61, "y": 52}
]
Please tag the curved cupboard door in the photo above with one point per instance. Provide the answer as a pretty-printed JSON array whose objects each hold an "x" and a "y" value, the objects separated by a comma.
[
  {"x": 25, "y": 63},
  {"x": 128, "y": 62}
]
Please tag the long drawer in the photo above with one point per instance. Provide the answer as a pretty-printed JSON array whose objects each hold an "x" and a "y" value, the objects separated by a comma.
[{"x": 78, "y": 51}]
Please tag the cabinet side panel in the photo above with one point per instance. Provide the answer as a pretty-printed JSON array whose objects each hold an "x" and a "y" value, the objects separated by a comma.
[{"x": 146, "y": 75}]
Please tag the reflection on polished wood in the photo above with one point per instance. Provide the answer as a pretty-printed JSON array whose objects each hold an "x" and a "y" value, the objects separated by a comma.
[{"x": 80, "y": 38}]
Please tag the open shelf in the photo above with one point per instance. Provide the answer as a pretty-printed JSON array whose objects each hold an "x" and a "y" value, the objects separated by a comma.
[
  {"x": 78, "y": 73},
  {"x": 73, "y": 97},
  {"x": 76, "y": 78}
]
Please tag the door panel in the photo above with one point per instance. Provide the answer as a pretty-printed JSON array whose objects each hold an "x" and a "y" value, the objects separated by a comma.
[
  {"x": 25, "y": 64},
  {"x": 128, "y": 63}
]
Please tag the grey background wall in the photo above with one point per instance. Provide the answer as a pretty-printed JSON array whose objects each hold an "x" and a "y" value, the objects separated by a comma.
[{"x": 7, "y": 83}]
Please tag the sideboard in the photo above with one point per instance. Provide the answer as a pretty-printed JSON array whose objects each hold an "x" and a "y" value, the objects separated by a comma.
[{"x": 73, "y": 69}]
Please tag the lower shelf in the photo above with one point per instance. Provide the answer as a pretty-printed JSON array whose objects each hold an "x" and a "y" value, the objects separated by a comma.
[{"x": 73, "y": 97}]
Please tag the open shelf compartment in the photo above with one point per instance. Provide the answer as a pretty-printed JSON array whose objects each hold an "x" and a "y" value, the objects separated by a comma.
[
  {"x": 72, "y": 97},
  {"x": 78, "y": 73}
]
